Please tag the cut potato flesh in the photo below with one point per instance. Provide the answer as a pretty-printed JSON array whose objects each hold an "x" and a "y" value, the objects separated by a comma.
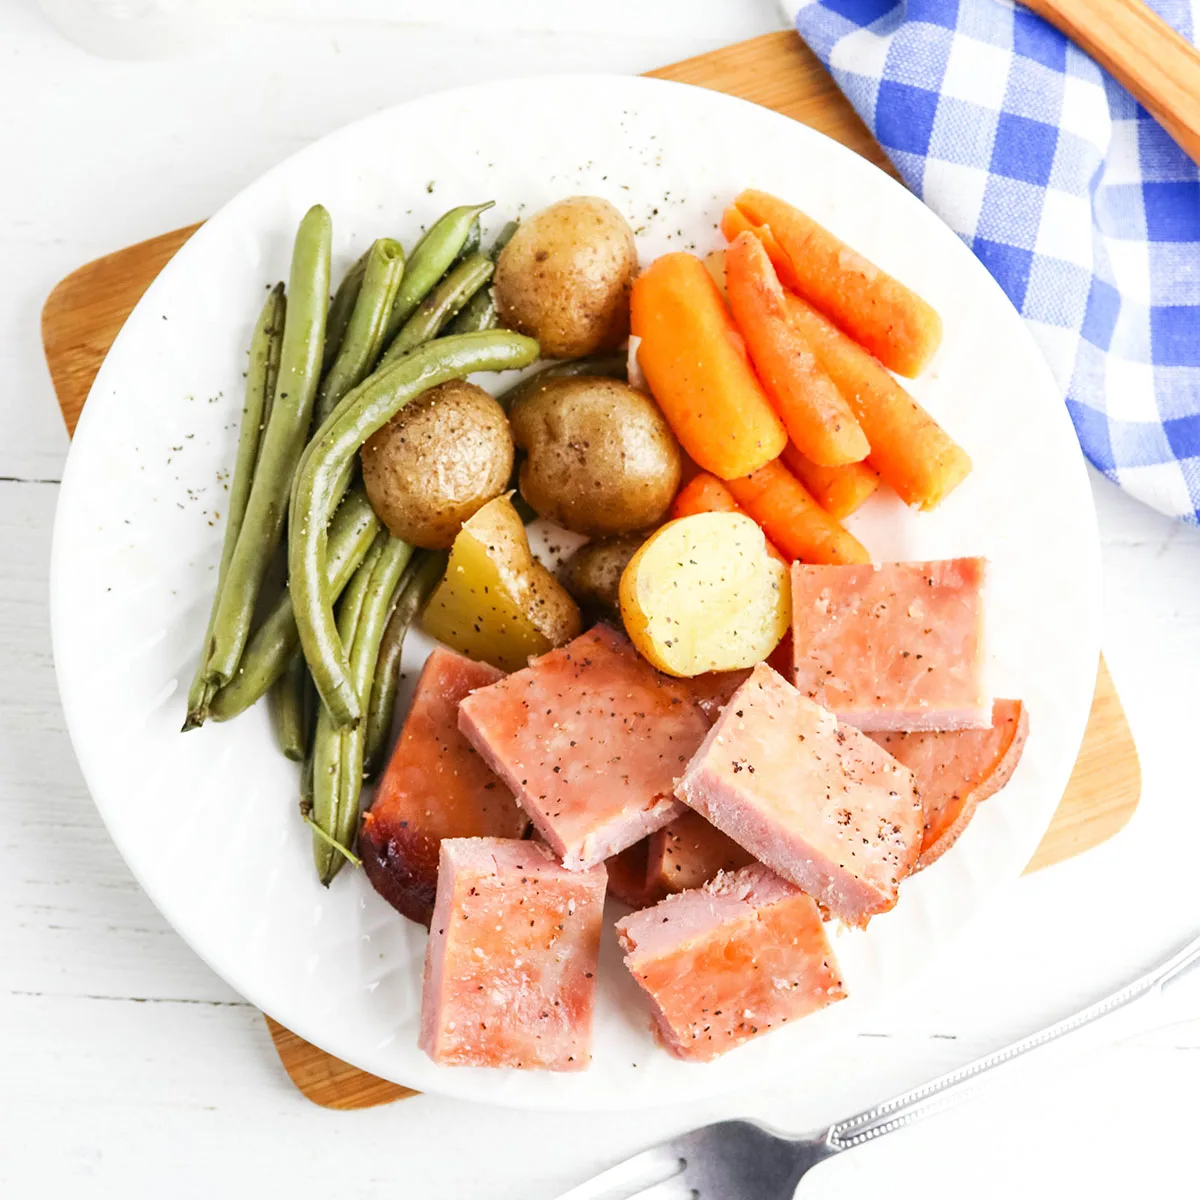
[
  {"x": 496, "y": 602},
  {"x": 704, "y": 594}
]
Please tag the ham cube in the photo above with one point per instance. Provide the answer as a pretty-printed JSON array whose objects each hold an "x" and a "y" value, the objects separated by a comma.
[
  {"x": 729, "y": 961},
  {"x": 685, "y": 854},
  {"x": 894, "y": 646},
  {"x": 816, "y": 801},
  {"x": 956, "y": 771},
  {"x": 510, "y": 969},
  {"x": 688, "y": 853},
  {"x": 591, "y": 739},
  {"x": 628, "y": 875},
  {"x": 435, "y": 787},
  {"x": 712, "y": 690}
]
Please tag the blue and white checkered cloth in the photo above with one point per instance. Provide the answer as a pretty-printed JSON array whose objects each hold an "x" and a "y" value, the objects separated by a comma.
[{"x": 1084, "y": 210}]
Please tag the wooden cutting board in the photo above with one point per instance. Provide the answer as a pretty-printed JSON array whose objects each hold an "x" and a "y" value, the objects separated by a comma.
[{"x": 86, "y": 310}]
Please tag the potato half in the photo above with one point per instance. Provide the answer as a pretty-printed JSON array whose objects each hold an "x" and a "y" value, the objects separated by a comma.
[
  {"x": 496, "y": 602},
  {"x": 703, "y": 594}
]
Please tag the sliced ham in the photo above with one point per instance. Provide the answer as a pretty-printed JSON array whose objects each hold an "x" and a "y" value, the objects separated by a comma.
[
  {"x": 628, "y": 875},
  {"x": 688, "y": 853},
  {"x": 730, "y": 961},
  {"x": 591, "y": 739},
  {"x": 815, "y": 800},
  {"x": 510, "y": 968},
  {"x": 712, "y": 691},
  {"x": 436, "y": 786},
  {"x": 893, "y": 646},
  {"x": 956, "y": 771}
]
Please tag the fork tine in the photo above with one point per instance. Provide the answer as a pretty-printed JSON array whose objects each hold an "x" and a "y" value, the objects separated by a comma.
[{"x": 630, "y": 1179}]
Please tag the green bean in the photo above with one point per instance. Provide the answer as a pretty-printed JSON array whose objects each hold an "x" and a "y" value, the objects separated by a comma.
[
  {"x": 422, "y": 576},
  {"x": 327, "y": 738},
  {"x": 611, "y": 366},
  {"x": 429, "y": 261},
  {"x": 283, "y": 442},
  {"x": 351, "y": 533},
  {"x": 264, "y": 363},
  {"x": 502, "y": 239},
  {"x": 474, "y": 237},
  {"x": 478, "y": 314},
  {"x": 364, "y": 654},
  {"x": 306, "y": 783},
  {"x": 363, "y": 339},
  {"x": 340, "y": 309},
  {"x": 289, "y": 696},
  {"x": 324, "y": 464},
  {"x": 440, "y": 305}
]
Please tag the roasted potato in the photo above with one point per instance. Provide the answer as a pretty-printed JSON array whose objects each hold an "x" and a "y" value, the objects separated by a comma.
[
  {"x": 565, "y": 277},
  {"x": 703, "y": 594},
  {"x": 496, "y": 602},
  {"x": 436, "y": 462},
  {"x": 600, "y": 459},
  {"x": 593, "y": 573}
]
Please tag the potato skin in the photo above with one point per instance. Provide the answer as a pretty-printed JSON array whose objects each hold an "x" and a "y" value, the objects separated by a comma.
[
  {"x": 593, "y": 573},
  {"x": 600, "y": 457},
  {"x": 565, "y": 277},
  {"x": 437, "y": 462},
  {"x": 496, "y": 602}
]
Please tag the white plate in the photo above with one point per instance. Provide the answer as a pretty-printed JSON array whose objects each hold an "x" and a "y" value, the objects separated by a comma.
[{"x": 208, "y": 821}]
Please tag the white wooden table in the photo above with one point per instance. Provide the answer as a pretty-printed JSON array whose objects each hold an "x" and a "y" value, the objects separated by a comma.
[{"x": 128, "y": 1069}]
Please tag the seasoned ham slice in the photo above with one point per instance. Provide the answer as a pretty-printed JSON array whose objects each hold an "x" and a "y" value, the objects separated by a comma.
[
  {"x": 957, "y": 771},
  {"x": 591, "y": 739},
  {"x": 510, "y": 968},
  {"x": 435, "y": 787},
  {"x": 628, "y": 875},
  {"x": 724, "y": 963},
  {"x": 893, "y": 646},
  {"x": 815, "y": 800},
  {"x": 688, "y": 853}
]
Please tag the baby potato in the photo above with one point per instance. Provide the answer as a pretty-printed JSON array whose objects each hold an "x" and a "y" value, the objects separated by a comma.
[
  {"x": 593, "y": 573},
  {"x": 496, "y": 602},
  {"x": 565, "y": 277},
  {"x": 600, "y": 457},
  {"x": 704, "y": 594},
  {"x": 438, "y": 461}
]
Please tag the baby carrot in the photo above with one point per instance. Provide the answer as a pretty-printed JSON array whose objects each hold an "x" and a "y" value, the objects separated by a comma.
[
  {"x": 838, "y": 490},
  {"x": 706, "y": 493},
  {"x": 735, "y": 222},
  {"x": 793, "y": 520},
  {"x": 879, "y": 312},
  {"x": 914, "y": 456},
  {"x": 696, "y": 364},
  {"x": 813, "y": 411}
]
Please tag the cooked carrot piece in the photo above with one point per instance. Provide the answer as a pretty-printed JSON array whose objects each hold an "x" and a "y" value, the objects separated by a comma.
[
  {"x": 714, "y": 264},
  {"x": 879, "y": 312},
  {"x": 813, "y": 411},
  {"x": 706, "y": 493},
  {"x": 910, "y": 450},
  {"x": 838, "y": 490},
  {"x": 735, "y": 222},
  {"x": 696, "y": 364},
  {"x": 793, "y": 520}
]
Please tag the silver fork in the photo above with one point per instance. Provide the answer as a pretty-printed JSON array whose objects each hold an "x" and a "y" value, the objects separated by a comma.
[{"x": 740, "y": 1160}]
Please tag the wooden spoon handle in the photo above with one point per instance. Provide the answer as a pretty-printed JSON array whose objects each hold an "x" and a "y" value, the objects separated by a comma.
[{"x": 1143, "y": 53}]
